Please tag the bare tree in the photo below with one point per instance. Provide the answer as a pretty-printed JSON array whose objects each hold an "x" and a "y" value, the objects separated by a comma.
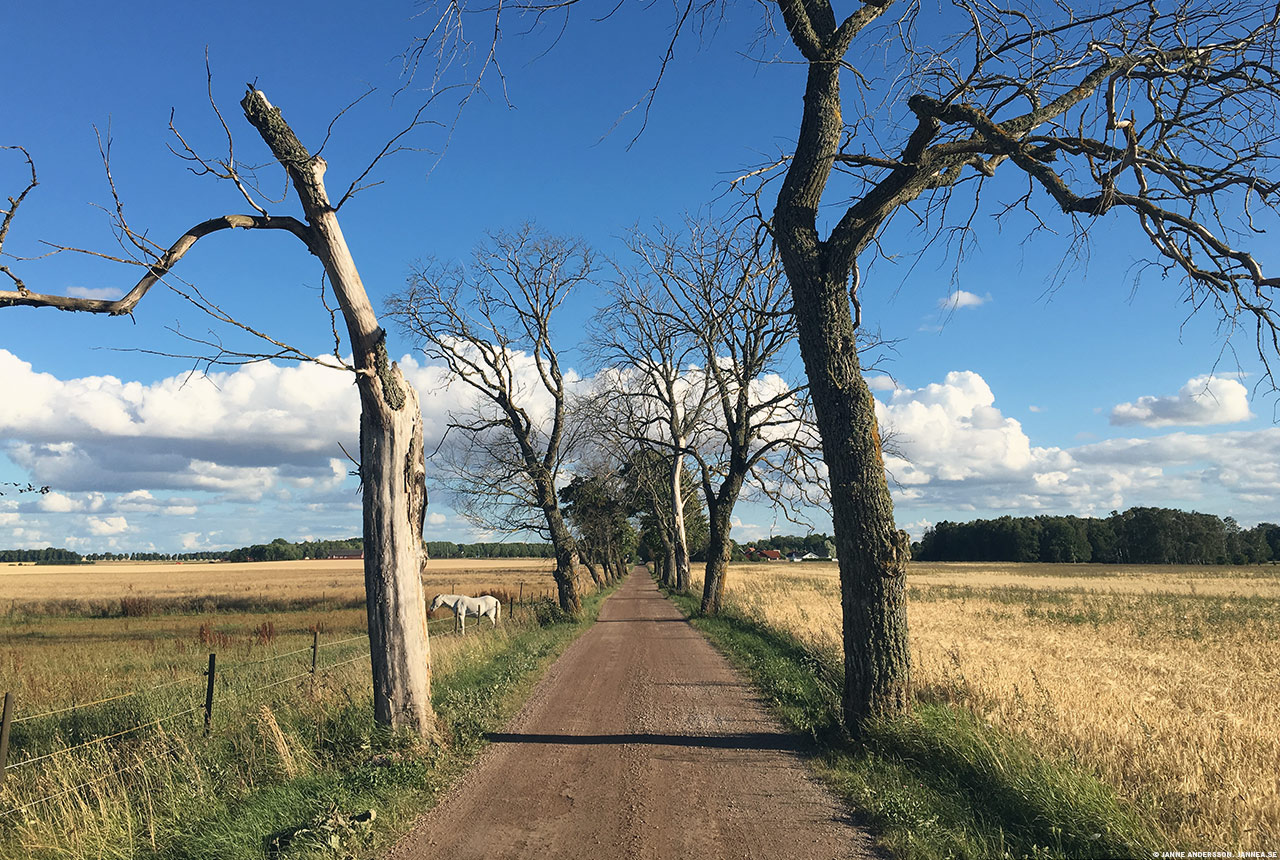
[
  {"x": 391, "y": 448},
  {"x": 1164, "y": 110},
  {"x": 728, "y": 294},
  {"x": 655, "y": 388},
  {"x": 1167, "y": 111},
  {"x": 491, "y": 326}
]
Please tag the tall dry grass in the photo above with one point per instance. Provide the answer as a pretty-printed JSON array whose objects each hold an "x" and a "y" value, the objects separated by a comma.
[
  {"x": 269, "y": 727},
  {"x": 74, "y": 634},
  {"x": 1165, "y": 682}
]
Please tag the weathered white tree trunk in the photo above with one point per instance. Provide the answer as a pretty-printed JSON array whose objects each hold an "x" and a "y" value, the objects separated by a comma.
[
  {"x": 392, "y": 469},
  {"x": 679, "y": 537},
  {"x": 392, "y": 472}
]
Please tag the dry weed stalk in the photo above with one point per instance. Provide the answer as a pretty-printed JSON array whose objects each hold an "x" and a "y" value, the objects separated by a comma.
[{"x": 274, "y": 737}]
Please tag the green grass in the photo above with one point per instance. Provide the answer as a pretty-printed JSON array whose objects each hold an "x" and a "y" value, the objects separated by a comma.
[
  {"x": 939, "y": 783},
  {"x": 347, "y": 789},
  {"x": 364, "y": 769}
]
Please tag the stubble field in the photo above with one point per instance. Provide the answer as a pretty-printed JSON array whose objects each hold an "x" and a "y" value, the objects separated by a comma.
[
  {"x": 274, "y": 582},
  {"x": 71, "y": 634},
  {"x": 1163, "y": 681},
  {"x": 107, "y": 665}
]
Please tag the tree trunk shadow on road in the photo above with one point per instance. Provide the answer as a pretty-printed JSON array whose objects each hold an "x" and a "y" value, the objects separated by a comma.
[{"x": 735, "y": 741}]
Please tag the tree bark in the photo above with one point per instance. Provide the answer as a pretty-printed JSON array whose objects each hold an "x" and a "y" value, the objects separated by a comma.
[
  {"x": 667, "y": 563},
  {"x": 566, "y": 572},
  {"x": 392, "y": 468},
  {"x": 591, "y": 569},
  {"x": 679, "y": 537},
  {"x": 872, "y": 552},
  {"x": 719, "y": 549}
]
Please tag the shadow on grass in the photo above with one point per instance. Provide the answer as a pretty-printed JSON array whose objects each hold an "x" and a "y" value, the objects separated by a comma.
[{"x": 940, "y": 782}]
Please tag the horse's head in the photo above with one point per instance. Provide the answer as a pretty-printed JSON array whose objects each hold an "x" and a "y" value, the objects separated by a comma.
[{"x": 436, "y": 603}]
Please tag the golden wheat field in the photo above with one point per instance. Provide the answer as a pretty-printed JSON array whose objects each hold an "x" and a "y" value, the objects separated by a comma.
[
  {"x": 78, "y": 633},
  {"x": 1164, "y": 681},
  {"x": 323, "y": 579}
]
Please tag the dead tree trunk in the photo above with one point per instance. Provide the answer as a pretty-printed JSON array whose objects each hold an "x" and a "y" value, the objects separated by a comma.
[
  {"x": 679, "y": 537},
  {"x": 392, "y": 472}
]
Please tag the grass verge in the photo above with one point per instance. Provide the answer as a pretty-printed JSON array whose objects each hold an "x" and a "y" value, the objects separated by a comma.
[
  {"x": 299, "y": 782},
  {"x": 388, "y": 775},
  {"x": 940, "y": 783}
]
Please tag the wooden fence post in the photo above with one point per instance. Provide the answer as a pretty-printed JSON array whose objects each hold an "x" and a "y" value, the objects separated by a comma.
[
  {"x": 4, "y": 732},
  {"x": 315, "y": 653},
  {"x": 208, "y": 695}
]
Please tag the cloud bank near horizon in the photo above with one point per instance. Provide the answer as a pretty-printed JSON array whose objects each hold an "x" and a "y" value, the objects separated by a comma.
[{"x": 235, "y": 457}]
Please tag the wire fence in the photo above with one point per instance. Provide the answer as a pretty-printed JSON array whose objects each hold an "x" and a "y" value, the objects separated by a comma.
[{"x": 210, "y": 677}]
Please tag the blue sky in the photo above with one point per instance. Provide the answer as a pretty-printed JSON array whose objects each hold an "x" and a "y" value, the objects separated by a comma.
[{"x": 1037, "y": 390}]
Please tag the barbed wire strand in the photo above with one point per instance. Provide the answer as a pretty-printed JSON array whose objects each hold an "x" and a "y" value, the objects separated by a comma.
[
  {"x": 169, "y": 750},
  {"x": 97, "y": 779},
  {"x": 17, "y": 720},
  {"x": 98, "y": 740},
  {"x": 191, "y": 710},
  {"x": 235, "y": 666},
  {"x": 342, "y": 641},
  {"x": 221, "y": 669}
]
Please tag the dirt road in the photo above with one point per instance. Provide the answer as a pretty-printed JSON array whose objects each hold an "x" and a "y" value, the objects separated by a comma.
[{"x": 641, "y": 742}]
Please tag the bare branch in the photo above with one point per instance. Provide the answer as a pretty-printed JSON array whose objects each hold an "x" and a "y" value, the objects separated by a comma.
[{"x": 157, "y": 270}]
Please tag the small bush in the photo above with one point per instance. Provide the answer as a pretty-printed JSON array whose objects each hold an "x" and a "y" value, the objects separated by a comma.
[
  {"x": 547, "y": 612},
  {"x": 266, "y": 633},
  {"x": 137, "y": 607}
]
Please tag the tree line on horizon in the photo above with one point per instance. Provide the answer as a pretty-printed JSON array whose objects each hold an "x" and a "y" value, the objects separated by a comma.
[
  {"x": 279, "y": 550},
  {"x": 1136, "y": 536}
]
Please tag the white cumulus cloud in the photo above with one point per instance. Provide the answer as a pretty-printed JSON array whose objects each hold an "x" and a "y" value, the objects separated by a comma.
[
  {"x": 107, "y": 525},
  {"x": 962, "y": 299},
  {"x": 958, "y": 452},
  {"x": 1203, "y": 401}
]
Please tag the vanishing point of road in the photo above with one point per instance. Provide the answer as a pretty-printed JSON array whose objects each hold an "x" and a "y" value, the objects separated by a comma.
[{"x": 640, "y": 742}]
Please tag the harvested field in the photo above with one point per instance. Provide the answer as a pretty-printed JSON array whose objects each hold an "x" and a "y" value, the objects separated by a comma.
[
  {"x": 77, "y": 633},
  {"x": 1164, "y": 681},
  {"x": 99, "y": 588}
]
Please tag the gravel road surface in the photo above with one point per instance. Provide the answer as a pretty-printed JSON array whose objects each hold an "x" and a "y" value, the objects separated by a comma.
[{"x": 640, "y": 742}]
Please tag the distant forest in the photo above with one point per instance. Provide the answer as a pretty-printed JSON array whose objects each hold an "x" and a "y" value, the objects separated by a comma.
[
  {"x": 1137, "y": 536},
  {"x": 278, "y": 550}
]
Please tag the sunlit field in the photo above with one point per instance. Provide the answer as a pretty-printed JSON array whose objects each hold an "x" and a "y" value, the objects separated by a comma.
[
  {"x": 1164, "y": 681},
  {"x": 77, "y": 633},
  {"x": 274, "y": 581},
  {"x": 107, "y": 666}
]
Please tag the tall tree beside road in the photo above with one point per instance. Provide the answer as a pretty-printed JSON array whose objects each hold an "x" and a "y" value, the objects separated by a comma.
[
  {"x": 391, "y": 463},
  {"x": 491, "y": 325},
  {"x": 1164, "y": 111}
]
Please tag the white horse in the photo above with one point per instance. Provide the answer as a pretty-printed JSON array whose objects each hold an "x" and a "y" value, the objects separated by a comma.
[{"x": 462, "y": 606}]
